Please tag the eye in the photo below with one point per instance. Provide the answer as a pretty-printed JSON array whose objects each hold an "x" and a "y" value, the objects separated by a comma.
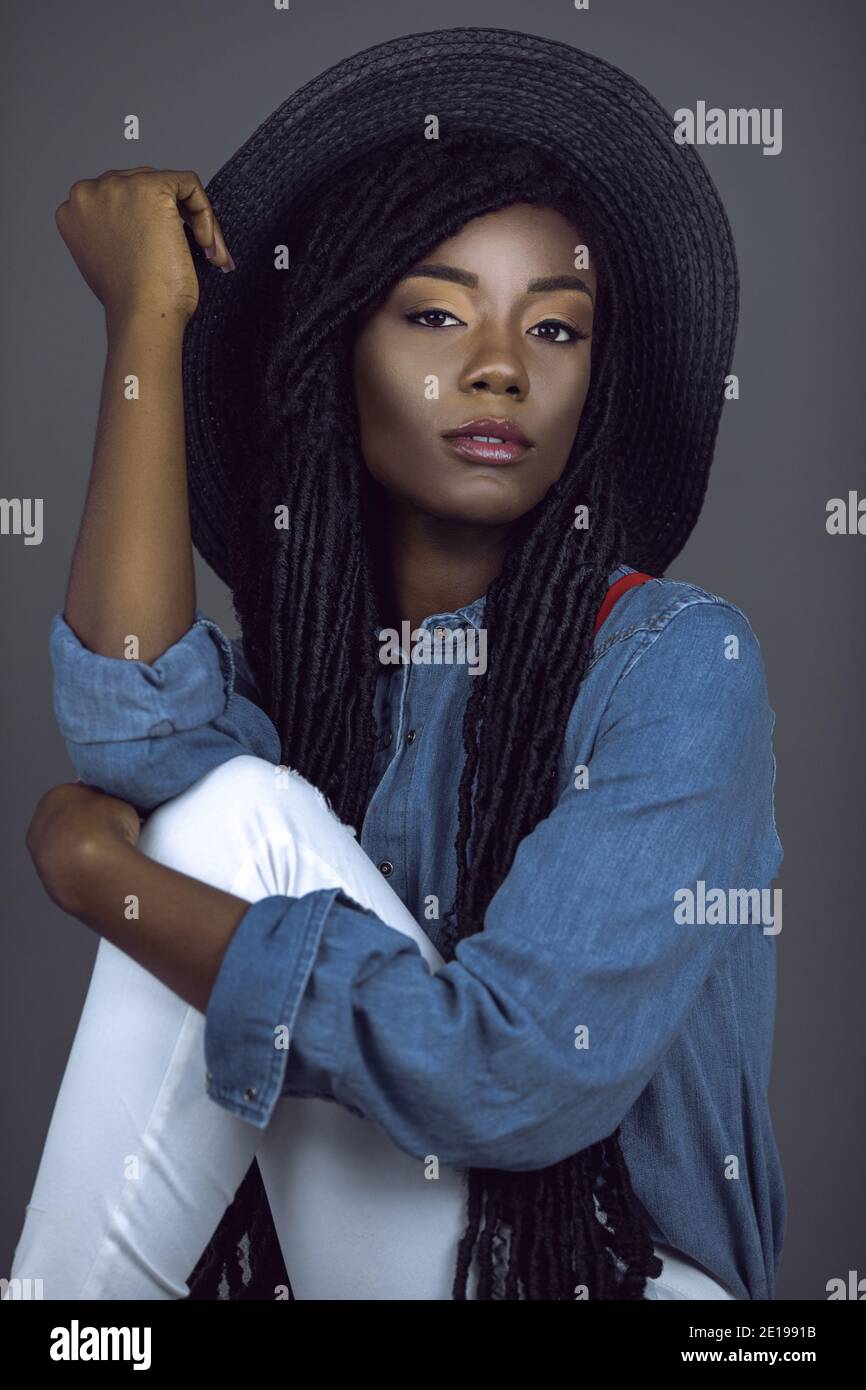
[
  {"x": 575, "y": 334},
  {"x": 422, "y": 313}
]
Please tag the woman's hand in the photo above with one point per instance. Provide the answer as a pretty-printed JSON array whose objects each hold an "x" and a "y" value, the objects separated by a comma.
[
  {"x": 124, "y": 230},
  {"x": 70, "y": 829},
  {"x": 84, "y": 844}
]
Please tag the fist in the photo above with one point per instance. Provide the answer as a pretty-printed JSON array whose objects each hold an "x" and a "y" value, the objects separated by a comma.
[{"x": 125, "y": 232}]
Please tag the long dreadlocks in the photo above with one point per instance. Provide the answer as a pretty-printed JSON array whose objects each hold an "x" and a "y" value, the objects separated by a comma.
[{"x": 307, "y": 599}]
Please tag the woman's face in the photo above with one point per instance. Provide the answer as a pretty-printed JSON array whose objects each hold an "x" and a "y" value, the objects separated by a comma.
[{"x": 495, "y": 325}]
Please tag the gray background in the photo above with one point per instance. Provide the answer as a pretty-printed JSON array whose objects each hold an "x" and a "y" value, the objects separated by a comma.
[{"x": 203, "y": 74}]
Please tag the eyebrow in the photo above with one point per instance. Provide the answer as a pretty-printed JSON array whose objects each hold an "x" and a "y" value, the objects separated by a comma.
[{"x": 467, "y": 278}]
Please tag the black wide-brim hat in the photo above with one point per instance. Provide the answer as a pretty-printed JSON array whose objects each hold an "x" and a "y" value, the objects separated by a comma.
[{"x": 668, "y": 248}]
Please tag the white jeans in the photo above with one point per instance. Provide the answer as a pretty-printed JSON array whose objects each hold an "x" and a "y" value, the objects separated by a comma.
[{"x": 139, "y": 1164}]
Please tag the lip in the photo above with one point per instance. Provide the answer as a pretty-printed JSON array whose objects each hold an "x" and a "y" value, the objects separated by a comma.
[{"x": 514, "y": 442}]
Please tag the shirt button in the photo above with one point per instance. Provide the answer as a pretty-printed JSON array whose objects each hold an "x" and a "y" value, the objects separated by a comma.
[
  {"x": 386, "y": 741},
  {"x": 411, "y": 736},
  {"x": 209, "y": 1077},
  {"x": 386, "y": 867},
  {"x": 161, "y": 730},
  {"x": 250, "y": 1093}
]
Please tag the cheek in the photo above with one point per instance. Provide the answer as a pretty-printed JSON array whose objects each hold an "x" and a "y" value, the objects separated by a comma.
[
  {"x": 386, "y": 384},
  {"x": 392, "y": 412},
  {"x": 566, "y": 406}
]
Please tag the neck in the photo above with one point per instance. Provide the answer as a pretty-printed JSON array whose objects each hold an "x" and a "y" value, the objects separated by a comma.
[{"x": 438, "y": 566}]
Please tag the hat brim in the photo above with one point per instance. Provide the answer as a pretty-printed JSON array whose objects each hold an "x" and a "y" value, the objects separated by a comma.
[{"x": 668, "y": 242}]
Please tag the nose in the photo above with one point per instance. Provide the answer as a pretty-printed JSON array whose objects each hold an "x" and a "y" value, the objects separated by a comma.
[{"x": 497, "y": 368}]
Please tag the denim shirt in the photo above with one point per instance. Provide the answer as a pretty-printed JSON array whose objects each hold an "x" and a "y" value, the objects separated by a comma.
[{"x": 607, "y": 921}]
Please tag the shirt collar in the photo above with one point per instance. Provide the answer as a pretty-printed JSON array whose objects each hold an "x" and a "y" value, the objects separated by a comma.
[{"x": 472, "y": 613}]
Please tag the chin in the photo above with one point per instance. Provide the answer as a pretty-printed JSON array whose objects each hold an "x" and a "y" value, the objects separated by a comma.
[
  {"x": 486, "y": 498},
  {"x": 478, "y": 511}
]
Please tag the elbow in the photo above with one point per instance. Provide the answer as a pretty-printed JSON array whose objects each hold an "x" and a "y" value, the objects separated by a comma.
[
  {"x": 517, "y": 1123},
  {"x": 151, "y": 770},
  {"x": 146, "y": 772},
  {"x": 127, "y": 773}
]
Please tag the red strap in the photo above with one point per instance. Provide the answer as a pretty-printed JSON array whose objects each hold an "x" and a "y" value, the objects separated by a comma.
[{"x": 616, "y": 591}]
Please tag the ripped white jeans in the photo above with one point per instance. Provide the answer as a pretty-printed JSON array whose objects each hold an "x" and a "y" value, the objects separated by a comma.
[{"x": 139, "y": 1164}]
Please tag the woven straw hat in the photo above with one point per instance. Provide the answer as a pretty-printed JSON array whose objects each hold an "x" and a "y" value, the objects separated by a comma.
[{"x": 668, "y": 244}]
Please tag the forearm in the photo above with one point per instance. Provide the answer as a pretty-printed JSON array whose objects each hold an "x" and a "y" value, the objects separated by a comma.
[
  {"x": 173, "y": 925},
  {"x": 132, "y": 571}
]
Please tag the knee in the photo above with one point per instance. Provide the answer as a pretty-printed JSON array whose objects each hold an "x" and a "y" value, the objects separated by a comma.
[{"x": 244, "y": 803}]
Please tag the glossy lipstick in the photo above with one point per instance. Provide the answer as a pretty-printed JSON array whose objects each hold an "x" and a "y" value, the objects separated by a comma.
[{"x": 489, "y": 440}]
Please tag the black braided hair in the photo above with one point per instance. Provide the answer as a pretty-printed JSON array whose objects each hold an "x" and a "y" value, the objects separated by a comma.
[{"x": 307, "y": 599}]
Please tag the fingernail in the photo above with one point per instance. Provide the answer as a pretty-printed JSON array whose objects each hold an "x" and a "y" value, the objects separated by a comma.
[
  {"x": 230, "y": 266},
  {"x": 211, "y": 250}
]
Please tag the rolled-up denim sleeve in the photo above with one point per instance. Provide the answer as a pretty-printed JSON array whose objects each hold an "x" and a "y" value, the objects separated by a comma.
[
  {"x": 536, "y": 1039},
  {"x": 146, "y": 731}
]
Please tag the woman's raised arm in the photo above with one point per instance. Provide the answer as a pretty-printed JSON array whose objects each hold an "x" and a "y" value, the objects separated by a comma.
[{"x": 132, "y": 571}]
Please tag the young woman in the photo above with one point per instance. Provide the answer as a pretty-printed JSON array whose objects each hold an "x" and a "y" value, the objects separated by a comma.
[{"x": 425, "y": 845}]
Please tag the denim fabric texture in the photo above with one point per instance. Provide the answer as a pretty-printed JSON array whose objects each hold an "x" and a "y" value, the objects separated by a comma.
[{"x": 585, "y": 1003}]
